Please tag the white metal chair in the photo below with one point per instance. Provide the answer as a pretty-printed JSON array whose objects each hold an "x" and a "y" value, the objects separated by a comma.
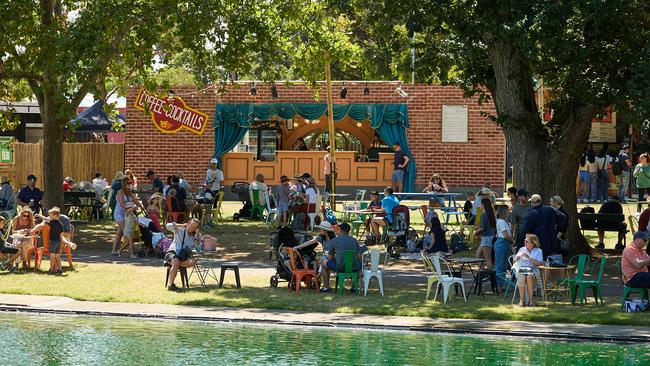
[
  {"x": 359, "y": 196},
  {"x": 445, "y": 281},
  {"x": 270, "y": 211},
  {"x": 374, "y": 271},
  {"x": 317, "y": 211}
]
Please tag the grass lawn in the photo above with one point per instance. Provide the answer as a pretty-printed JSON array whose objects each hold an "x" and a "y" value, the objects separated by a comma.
[{"x": 139, "y": 281}]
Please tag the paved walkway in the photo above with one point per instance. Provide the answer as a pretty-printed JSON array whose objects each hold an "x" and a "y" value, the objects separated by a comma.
[{"x": 64, "y": 305}]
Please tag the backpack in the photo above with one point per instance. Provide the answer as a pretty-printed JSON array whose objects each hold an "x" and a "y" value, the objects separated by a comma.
[
  {"x": 330, "y": 216},
  {"x": 298, "y": 223},
  {"x": 458, "y": 243},
  {"x": 587, "y": 224},
  {"x": 617, "y": 166}
]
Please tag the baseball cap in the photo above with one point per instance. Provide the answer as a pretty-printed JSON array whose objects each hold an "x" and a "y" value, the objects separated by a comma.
[
  {"x": 522, "y": 192},
  {"x": 625, "y": 146},
  {"x": 214, "y": 161},
  {"x": 31, "y": 177},
  {"x": 643, "y": 235},
  {"x": 535, "y": 198}
]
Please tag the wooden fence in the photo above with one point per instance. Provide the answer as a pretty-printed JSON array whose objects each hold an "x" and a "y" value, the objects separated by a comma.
[{"x": 80, "y": 161}]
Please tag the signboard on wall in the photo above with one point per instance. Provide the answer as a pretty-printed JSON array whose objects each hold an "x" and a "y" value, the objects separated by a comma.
[
  {"x": 454, "y": 123},
  {"x": 170, "y": 114},
  {"x": 603, "y": 130},
  {"x": 6, "y": 150}
]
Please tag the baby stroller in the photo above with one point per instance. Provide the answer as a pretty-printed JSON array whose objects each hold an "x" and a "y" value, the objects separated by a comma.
[
  {"x": 401, "y": 230},
  {"x": 241, "y": 189},
  {"x": 286, "y": 237},
  {"x": 147, "y": 229}
]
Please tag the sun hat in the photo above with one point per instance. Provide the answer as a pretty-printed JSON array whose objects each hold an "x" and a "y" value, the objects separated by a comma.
[
  {"x": 120, "y": 175},
  {"x": 485, "y": 190},
  {"x": 154, "y": 196},
  {"x": 535, "y": 198},
  {"x": 324, "y": 225}
]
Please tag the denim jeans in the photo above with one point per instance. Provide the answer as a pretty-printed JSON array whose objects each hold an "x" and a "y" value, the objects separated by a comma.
[
  {"x": 622, "y": 188},
  {"x": 501, "y": 253},
  {"x": 603, "y": 186},
  {"x": 593, "y": 186}
]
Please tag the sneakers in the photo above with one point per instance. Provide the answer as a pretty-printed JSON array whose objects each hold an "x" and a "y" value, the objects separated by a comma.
[
  {"x": 326, "y": 289},
  {"x": 600, "y": 246}
]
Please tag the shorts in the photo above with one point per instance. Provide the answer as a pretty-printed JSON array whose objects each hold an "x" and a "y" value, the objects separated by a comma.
[
  {"x": 182, "y": 256},
  {"x": 118, "y": 215},
  {"x": 398, "y": 176},
  {"x": 54, "y": 247},
  {"x": 8, "y": 250},
  {"x": 331, "y": 265},
  {"x": 522, "y": 277},
  {"x": 283, "y": 207},
  {"x": 584, "y": 176},
  {"x": 486, "y": 241}
]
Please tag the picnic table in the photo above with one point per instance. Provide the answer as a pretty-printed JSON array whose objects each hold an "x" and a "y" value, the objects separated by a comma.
[{"x": 559, "y": 287}]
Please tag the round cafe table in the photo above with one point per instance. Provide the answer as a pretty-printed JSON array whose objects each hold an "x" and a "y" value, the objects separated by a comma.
[{"x": 560, "y": 286}]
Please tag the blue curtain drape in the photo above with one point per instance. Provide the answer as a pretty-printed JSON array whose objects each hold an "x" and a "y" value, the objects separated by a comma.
[{"x": 232, "y": 121}]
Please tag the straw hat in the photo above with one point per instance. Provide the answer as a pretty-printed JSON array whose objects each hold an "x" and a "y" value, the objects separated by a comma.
[
  {"x": 324, "y": 225},
  {"x": 154, "y": 196},
  {"x": 120, "y": 175}
]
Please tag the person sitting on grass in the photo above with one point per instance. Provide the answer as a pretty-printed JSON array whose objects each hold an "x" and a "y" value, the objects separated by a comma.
[
  {"x": 179, "y": 253},
  {"x": 528, "y": 259},
  {"x": 60, "y": 233},
  {"x": 635, "y": 262},
  {"x": 387, "y": 205},
  {"x": 435, "y": 241},
  {"x": 336, "y": 259},
  {"x": 7, "y": 251}
]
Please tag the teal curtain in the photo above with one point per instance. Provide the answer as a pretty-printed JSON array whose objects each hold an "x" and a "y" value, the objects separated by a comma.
[{"x": 232, "y": 121}]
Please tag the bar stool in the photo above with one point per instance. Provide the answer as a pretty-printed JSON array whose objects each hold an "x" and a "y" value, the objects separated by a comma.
[{"x": 234, "y": 266}]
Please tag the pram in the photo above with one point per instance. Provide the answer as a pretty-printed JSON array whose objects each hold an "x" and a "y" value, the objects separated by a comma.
[
  {"x": 286, "y": 237},
  {"x": 147, "y": 229},
  {"x": 241, "y": 188},
  {"x": 400, "y": 229}
]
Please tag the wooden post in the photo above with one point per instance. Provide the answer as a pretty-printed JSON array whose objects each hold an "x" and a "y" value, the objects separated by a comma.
[{"x": 331, "y": 129}]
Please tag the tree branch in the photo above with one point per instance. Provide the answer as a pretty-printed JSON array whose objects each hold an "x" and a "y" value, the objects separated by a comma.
[{"x": 18, "y": 75}]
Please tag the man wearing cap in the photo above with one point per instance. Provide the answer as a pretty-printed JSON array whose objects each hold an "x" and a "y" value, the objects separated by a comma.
[
  {"x": 157, "y": 185},
  {"x": 30, "y": 196},
  {"x": 624, "y": 158},
  {"x": 68, "y": 182},
  {"x": 519, "y": 211},
  {"x": 214, "y": 177},
  {"x": 542, "y": 221},
  {"x": 635, "y": 262}
]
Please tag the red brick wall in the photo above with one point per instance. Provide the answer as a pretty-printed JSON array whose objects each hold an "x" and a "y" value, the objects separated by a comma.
[{"x": 469, "y": 164}]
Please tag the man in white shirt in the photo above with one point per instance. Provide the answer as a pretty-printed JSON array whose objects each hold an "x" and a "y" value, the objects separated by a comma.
[
  {"x": 183, "y": 183},
  {"x": 99, "y": 185},
  {"x": 214, "y": 177}
]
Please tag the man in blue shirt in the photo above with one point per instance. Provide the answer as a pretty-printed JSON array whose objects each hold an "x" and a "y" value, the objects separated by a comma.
[
  {"x": 542, "y": 221},
  {"x": 31, "y": 196},
  {"x": 387, "y": 205}
]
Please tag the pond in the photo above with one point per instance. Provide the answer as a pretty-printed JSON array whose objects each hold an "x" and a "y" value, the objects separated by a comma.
[{"x": 80, "y": 340}]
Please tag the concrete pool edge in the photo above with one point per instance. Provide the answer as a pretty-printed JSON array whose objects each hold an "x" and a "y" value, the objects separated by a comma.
[{"x": 578, "y": 332}]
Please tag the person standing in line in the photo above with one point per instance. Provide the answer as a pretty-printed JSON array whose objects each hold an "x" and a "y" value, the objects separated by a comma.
[
  {"x": 593, "y": 175},
  {"x": 602, "y": 165},
  {"x": 400, "y": 164},
  {"x": 583, "y": 182},
  {"x": 327, "y": 169},
  {"x": 642, "y": 175},
  {"x": 626, "y": 164}
]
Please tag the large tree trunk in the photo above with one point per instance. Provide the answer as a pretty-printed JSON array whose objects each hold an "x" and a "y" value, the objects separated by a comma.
[
  {"x": 52, "y": 153},
  {"x": 544, "y": 162}
]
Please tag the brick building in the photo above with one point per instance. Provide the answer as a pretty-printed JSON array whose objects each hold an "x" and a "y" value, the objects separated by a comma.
[{"x": 478, "y": 157}]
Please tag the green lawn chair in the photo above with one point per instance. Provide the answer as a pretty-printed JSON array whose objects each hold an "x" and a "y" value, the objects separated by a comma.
[
  {"x": 257, "y": 212},
  {"x": 580, "y": 261},
  {"x": 350, "y": 272},
  {"x": 360, "y": 221},
  {"x": 581, "y": 284}
]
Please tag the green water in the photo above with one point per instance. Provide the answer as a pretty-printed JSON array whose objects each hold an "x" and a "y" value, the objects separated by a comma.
[{"x": 67, "y": 340}]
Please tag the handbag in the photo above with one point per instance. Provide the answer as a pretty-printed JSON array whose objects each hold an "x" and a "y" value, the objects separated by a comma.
[{"x": 637, "y": 305}]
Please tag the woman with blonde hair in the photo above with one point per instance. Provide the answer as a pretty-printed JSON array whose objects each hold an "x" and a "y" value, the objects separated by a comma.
[
  {"x": 527, "y": 262},
  {"x": 23, "y": 223}
]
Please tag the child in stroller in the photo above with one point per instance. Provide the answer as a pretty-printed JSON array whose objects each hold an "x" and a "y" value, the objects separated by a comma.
[{"x": 286, "y": 237}]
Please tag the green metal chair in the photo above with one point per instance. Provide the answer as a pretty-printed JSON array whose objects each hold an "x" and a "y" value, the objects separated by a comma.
[
  {"x": 360, "y": 221},
  {"x": 582, "y": 283},
  {"x": 350, "y": 272},
  {"x": 257, "y": 212},
  {"x": 580, "y": 261}
]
